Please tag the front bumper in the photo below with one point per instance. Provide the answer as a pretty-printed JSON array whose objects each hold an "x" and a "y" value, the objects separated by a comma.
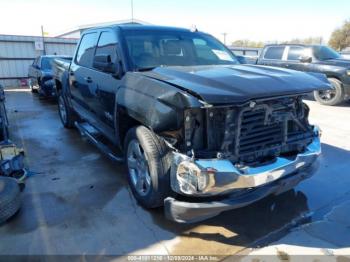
[
  {"x": 191, "y": 212},
  {"x": 241, "y": 185},
  {"x": 220, "y": 177}
]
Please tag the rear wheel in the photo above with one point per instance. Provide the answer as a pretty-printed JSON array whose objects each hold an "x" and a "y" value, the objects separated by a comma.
[
  {"x": 67, "y": 115},
  {"x": 332, "y": 96},
  {"x": 148, "y": 163}
]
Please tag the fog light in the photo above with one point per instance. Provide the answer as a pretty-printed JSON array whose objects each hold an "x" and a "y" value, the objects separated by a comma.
[{"x": 191, "y": 179}]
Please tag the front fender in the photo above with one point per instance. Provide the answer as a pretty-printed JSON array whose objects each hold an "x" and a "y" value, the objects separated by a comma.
[{"x": 153, "y": 103}]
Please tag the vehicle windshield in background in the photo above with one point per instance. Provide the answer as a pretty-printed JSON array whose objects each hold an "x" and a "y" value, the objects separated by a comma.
[
  {"x": 150, "y": 49},
  {"x": 46, "y": 63},
  {"x": 325, "y": 53}
]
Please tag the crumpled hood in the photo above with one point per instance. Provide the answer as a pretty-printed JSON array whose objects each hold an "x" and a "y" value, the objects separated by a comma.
[{"x": 239, "y": 83}]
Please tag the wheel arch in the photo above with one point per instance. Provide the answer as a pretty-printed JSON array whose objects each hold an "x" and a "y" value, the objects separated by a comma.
[{"x": 123, "y": 123}]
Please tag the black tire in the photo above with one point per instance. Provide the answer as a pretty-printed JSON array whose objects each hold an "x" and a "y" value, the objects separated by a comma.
[
  {"x": 66, "y": 113},
  {"x": 335, "y": 97},
  {"x": 10, "y": 199},
  {"x": 157, "y": 156},
  {"x": 4, "y": 132}
]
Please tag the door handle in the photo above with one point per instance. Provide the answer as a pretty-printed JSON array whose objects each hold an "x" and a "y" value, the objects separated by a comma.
[
  {"x": 71, "y": 73},
  {"x": 88, "y": 79}
]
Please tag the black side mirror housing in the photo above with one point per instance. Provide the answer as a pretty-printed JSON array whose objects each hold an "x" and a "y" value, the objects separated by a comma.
[
  {"x": 241, "y": 59},
  {"x": 104, "y": 63},
  {"x": 305, "y": 59}
]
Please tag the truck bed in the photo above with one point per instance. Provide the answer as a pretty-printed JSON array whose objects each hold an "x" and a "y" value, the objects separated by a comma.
[{"x": 60, "y": 67}]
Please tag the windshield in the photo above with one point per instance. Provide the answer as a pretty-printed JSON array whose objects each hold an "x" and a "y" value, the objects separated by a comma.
[
  {"x": 149, "y": 49},
  {"x": 46, "y": 63},
  {"x": 325, "y": 53}
]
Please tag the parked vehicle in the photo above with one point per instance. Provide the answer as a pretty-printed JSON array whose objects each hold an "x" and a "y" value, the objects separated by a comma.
[
  {"x": 250, "y": 54},
  {"x": 200, "y": 132},
  {"x": 40, "y": 75},
  {"x": 313, "y": 58},
  {"x": 345, "y": 54}
]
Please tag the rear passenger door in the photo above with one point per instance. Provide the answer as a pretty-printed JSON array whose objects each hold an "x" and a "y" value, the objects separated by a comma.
[
  {"x": 273, "y": 56},
  {"x": 294, "y": 54}
]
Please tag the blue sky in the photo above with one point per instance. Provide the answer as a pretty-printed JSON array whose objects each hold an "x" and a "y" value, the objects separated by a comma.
[{"x": 268, "y": 20}]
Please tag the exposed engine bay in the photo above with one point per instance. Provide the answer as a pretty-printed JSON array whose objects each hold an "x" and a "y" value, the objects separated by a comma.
[{"x": 251, "y": 133}]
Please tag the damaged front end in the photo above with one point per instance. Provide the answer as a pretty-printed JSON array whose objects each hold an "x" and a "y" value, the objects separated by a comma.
[{"x": 230, "y": 149}]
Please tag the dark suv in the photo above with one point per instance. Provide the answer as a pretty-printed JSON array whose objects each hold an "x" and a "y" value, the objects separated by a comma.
[
  {"x": 40, "y": 75},
  {"x": 313, "y": 58}
]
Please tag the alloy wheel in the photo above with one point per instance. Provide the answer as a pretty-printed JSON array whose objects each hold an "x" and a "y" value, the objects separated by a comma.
[{"x": 138, "y": 168}]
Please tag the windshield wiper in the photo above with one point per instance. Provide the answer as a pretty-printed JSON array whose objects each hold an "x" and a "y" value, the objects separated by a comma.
[{"x": 150, "y": 68}]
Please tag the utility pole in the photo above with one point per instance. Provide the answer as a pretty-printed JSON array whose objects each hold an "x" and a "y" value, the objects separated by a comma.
[
  {"x": 132, "y": 10},
  {"x": 43, "y": 37},
  {"x": 224, "y": 34}
]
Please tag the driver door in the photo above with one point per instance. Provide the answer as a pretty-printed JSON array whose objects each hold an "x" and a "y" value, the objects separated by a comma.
[{"x": 105, "y": 84}]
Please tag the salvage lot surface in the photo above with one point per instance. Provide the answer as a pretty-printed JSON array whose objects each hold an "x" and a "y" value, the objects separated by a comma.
[{"x": 78, "y": 201}]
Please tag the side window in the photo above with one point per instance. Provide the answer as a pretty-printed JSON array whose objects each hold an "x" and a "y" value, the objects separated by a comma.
[
  {"x": 274, "y": 52},
  {"x": 295, "y": 52},
  {"x": 107, "y": 45},
  {"x": 86, "y": 50},
  {"x": 46, "y": 63},
  {"x": 204, "y": 51}
]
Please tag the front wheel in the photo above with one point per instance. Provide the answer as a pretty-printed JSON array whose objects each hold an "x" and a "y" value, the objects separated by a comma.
[
  {"x": 332, "y": 96},
  {"x": 148, "y": 162},
  {"x": 66, "y": 113}
]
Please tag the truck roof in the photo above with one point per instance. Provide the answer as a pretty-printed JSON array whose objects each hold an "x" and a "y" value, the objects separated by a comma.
[
  {"x": 134, "y": 27},
  {"x": 305, "y": 45}
]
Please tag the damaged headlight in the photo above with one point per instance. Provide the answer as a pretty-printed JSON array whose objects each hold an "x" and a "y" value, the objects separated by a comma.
[{"x": 190, "y": 178}]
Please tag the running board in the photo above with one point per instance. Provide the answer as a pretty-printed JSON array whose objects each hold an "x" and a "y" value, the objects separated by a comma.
[{"x": 91, "y": 133}]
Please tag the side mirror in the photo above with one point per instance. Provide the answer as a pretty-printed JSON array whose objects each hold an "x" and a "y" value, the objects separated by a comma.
[
  {"x": 241, "y": 59},
  {"x": 104, "y": 63},
  {"x": 305, "y": 59}
]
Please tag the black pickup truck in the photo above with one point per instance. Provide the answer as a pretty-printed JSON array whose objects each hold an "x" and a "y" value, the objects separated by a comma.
[
  {"x": 200, "y": 132},
  {"x": 313, "y": 58}
]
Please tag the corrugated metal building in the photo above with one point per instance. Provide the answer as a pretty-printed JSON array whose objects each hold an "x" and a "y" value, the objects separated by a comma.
[{"x": 18, "y": 52}]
